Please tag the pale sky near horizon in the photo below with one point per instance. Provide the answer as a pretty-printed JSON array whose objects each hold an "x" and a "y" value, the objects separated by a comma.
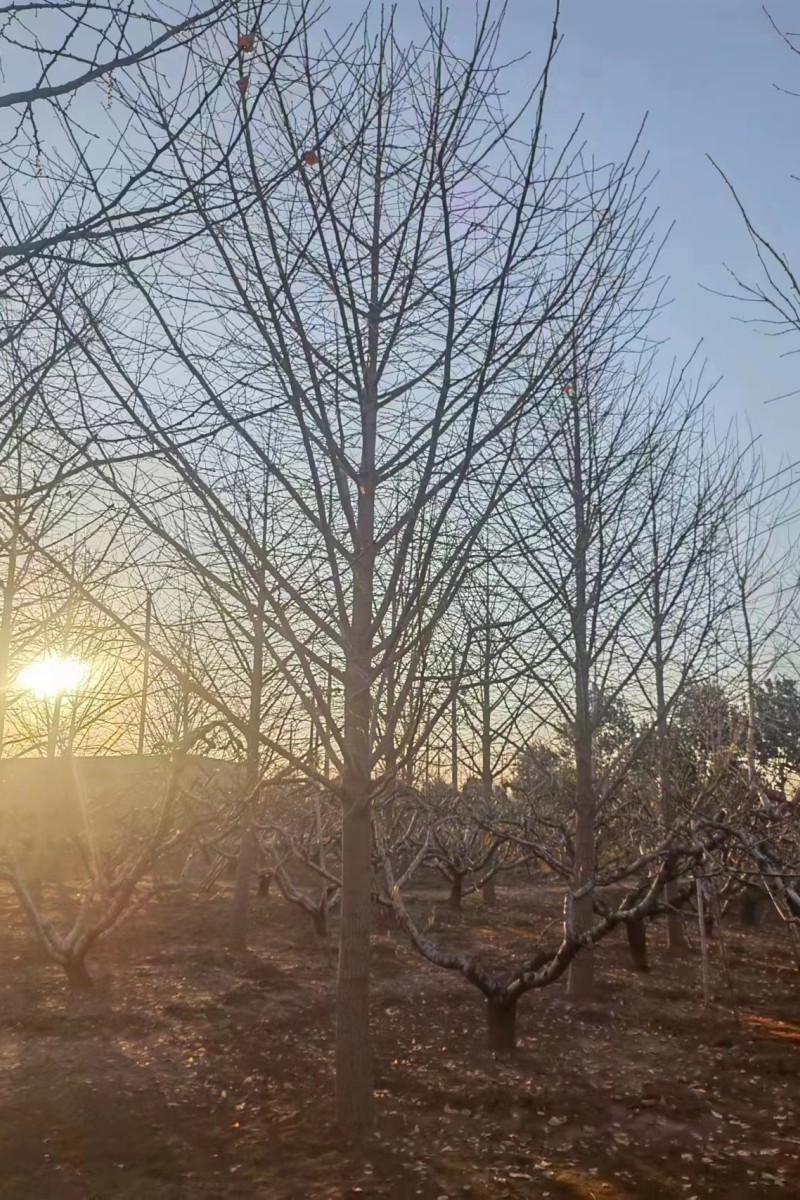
[{"x": 705, "y": 71}]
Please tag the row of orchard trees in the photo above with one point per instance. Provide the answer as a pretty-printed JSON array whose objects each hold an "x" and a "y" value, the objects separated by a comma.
[{"x": 326, "y": 351}]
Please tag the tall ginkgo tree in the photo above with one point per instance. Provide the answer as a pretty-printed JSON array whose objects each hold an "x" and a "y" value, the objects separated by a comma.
[{"x": 383, "y": 268}]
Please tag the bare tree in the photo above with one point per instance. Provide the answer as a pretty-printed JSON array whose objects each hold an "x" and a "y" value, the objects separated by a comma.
[
  {"x": 396, "y": 301},
  {"x": 545, "y": 966},
  {"x": 75, "y": 44},
  {"x": 460, "y": 842},
  {"x": 302, "y": 830},
  {"x": 775, "y": 293},
  {"x": 117, "y": 863},
  {"x": 765, "y": 582},
  {"x": 692, "y": 491},
  {"x": 576, "y": 549},
  {"x": 615, "y": 557}
]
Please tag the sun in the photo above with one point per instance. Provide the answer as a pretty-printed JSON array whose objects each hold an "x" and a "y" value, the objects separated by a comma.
[{"x": 53, "y": 676}]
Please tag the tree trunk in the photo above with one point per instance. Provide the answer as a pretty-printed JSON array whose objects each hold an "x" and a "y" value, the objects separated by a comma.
[
  {"x": 456, "y": 886},
  {"x": 320, "y": 919},
  {"x": 749, "y": 909},
  {"x": 354, "y": 1099},
  {"x": 264, "y": 883},
  {"x": 248, "y": 857},
  {"x": 454, "y": 730},
  {"x": 7, "y": 592},
  {"x": 54, "y": 729},
  {"x": 245, "y": 865},
  {"x": 354, "y": 1096},
  {"x": 637, "y": 943},
  {"x": 78, "y": 978},
  {"x": 751, "y": 695},
  {"x": 580, "y": 984},
  {"x": 701, "y": 921},
  {"x": 501, "y": 1025},
  {"x": 489, "y": 893},
  {"x": 676, "y": 937},
  {"x": 487, "y": 777},
  {"x": 148, "y": 619}
]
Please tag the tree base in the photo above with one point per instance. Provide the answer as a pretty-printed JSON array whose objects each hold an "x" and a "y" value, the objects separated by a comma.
[
  {"x": 78, "y": 978},
  {"x": 677, "y": 945},
  {"x": 501, "y": 1026},
  {"x": 682, "y": 950},
  {"x": 580, "y": 981},
  {"x": 637, "y": 943}
]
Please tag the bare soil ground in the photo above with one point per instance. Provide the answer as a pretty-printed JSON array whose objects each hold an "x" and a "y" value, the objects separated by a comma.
[{"x": 192, "y": 1073}]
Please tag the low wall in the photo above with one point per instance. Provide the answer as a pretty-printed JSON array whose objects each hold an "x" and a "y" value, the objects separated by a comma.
[{"x": 62, "y": 789}]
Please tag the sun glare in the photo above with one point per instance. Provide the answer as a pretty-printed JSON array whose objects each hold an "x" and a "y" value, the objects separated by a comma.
[{"x": 53, "y": 676}]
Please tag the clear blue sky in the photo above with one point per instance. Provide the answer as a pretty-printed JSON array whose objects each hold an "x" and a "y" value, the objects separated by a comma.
[{"x": 705, "y": 71}]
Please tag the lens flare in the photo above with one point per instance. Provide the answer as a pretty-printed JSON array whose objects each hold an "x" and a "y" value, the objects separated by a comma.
[{"x": 53, "y": 676}]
